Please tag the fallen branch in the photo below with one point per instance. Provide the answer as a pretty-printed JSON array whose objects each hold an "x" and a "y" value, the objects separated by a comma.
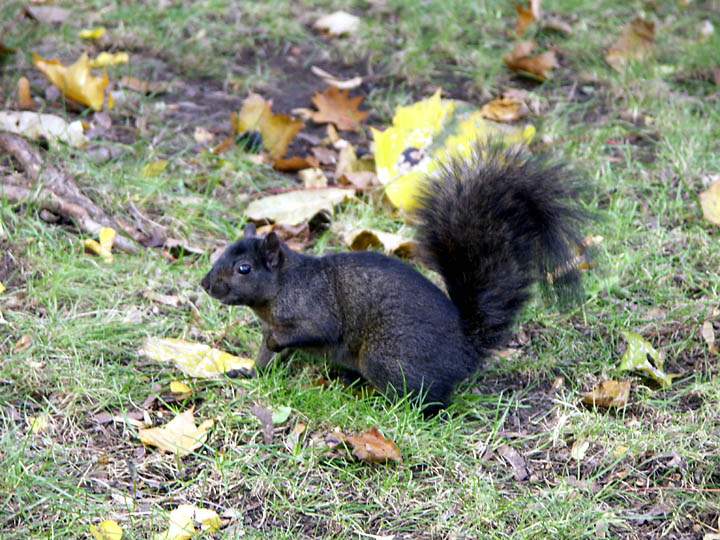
[{"x": 55, "y": 191}]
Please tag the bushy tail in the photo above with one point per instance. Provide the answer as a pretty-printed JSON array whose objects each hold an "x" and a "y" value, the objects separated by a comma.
[{"x": 494, "y": 225}]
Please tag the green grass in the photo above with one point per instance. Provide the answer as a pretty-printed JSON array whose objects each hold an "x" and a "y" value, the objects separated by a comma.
[{"x": 650, "y": 470}]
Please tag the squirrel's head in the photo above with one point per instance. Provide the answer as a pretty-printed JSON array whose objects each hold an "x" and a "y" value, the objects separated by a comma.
[{"x": 247, "y": 272}]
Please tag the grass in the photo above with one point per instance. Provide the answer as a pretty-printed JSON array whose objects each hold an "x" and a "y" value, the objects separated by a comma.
[{"x": 647, "y": 139}]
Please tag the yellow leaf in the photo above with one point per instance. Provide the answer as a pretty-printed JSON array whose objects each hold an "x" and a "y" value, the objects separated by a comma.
[
  {"x": 195, "y": 359},
  {"x": 106, "y": 59},
  {"x": 155, "y": 168},
  {"x": 2, "y": 287},
  {"x": 38, "y": 423},
  {"x": 504, "y": 110},
  {"x": 76, "y": 81},
  {"x": 277, "y": 130},
  {"x": 608, "y": 394},
  {"x": 92, "y": 33},
  {"x": 641, "y": 356},
  {"x": 180, "y": 436},
  {"x": 183, "y": 519},
  {"x": 710, "y": 202},
  {"x": 103, "y": 248},
  {"x": 178, "y": 387},
  {"x": 106, "y": 530}
]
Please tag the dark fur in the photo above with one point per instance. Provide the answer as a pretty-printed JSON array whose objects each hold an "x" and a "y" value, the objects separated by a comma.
[{"x": 492, "y": 227}]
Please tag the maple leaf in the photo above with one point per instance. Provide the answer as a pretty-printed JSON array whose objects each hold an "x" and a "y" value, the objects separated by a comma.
[{"x": 335, "y": 106}]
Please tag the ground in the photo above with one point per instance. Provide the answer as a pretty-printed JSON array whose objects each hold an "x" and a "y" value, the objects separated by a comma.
[{"x": 648, "y": 140}]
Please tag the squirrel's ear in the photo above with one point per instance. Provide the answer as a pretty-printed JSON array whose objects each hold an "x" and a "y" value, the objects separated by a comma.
[
  {"x": 250, "y": 230},
  {"x": 271, "y": 250}
]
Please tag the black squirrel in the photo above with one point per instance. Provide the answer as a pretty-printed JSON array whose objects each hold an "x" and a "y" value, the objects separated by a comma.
[{"x": 492, "y": 226}]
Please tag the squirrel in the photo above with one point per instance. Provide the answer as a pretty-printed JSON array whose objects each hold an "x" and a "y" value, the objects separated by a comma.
[{"x": 492, "y": 226}]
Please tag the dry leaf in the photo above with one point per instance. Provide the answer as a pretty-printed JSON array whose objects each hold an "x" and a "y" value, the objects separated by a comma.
[
  {"x": 2, "y": 287},
  {"x": 331, "y": 80},
  {"x": 106, "y": 530},
  {"x": 196, "y": 359},
  {"x": 144, "y": 87},
  {"x": 49, "y": 127},
  {"x": 579, "y": 449},
  {"x": 296, "y": 207},
  {"x": 361, "y": 181},
  {"x": 338, "y": 23},
  {"x": 525, "y": 19},
  {"x": 277, "y": 130},
  {"x": 103, "y": 248},
  {"x": 708, "y": 334},
  {"x": 641, "y": 356},
  {"x": 608, "y": 394},
  {"x": 179, "y": 387},
  {"x": 635, "y": 43},
  {"x": 154, "y": 168},
  {"x": 25, "y": 100},
  {"x": 370, "y": 446},
  {"x": 313, "y": 178},
  {"x": 22, "y": 344},
  {"x": 325, "y": 156},
  {"x": 38, "y": 424},
  {"x": 202, "y": 135},
  {"x": 165, "y": 299},
  {"x": 391, "y": 244},
  {"x": 537, "y": 67},
  {"x": 295, "y": 163},
  {"x": 182, "y": 522},
  {"x": 337, "y": 107},
  {"x": 557, "y": 24},
  {"x": 106, "y": 59},
  {"x": 297, "y": 237},
  {"x": 265, "y": 416},
  {"x": 92, "y": 33},
  {"x": 293, "y": 437},
  {"x": 504, "y": 110},
  {"x": 76, "y": 81},
  {"x": 180, "y": 436},
  {"x": 710, "y": 202},
  {"x": 47, "y": 14},
  {"x": 516, "y": 461}
]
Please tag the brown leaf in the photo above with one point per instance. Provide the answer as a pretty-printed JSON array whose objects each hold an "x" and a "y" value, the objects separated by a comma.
[
  {"x": 297, "y": 237},
  {"x": 337, "y": 107},
  {"x": 537, "y": 67},
  {"x": 516, "y": 461},
  {"x": 295, "y": 163},
  {"x": 325, "y": 156},
  {"x": 361, "y": 180},
  {"x": 557, "y": 24},
  {"x": 370, "y": 446},
  {"x": 525, "y": 19},
  {"x": 144, "y": 87},
  {"x": 635, "y": 43},
  {"x": 710, "y": 202},
  {"x": 313, "y": 178},
  {"x": 708, "y": 334},
  {"x": 504, "y": 110},
  {"x": 22, "y": 344},
  {"x": 608, "y": 394},
  {"x": 391, "y": 244},
  {"x": 25, "y": 100},
  {"x": 277, "y": 130},
  {"x": 265, "y": 417}
]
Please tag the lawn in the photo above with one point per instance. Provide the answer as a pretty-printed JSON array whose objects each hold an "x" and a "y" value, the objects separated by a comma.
[{"x": 648, "y": 140}]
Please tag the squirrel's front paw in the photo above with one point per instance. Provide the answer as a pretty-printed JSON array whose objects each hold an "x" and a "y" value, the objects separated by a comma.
[{"x": 272, "y": 344}]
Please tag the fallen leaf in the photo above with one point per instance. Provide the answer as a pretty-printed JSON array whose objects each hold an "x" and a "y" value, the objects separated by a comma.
[
  {"x": 313, "y": 178},
  {"x": 281, "y": 415},
  {"x": 337, "y": 107},
  {"x": 293, "y": 437},
  {"x": 103, "y": 248},
  {"x": 178, "y": 247},
  {"x": 195, "y": 359},
  {"x": 372, "y": 447},
  {"x": 537, "y": 67},
  {"x": 710, "y": 202},
  {"x": 106, "y": 59},
  {"x": 47, "y": 14},
  {"x": 92, "y": 33},
  {"x": 579, "y": 449},
  {"x": 325, "y": 156},
  {"x": 180, "y": 436},
  {"x": 296, "y": 207},
  {"x": 106, "y": 530},
  {"x": 295, "y": 163},
  {"x": 338, "y": 23},
  {"x": 391, "y": 244},
  {"x": 155, "y": 168},
  {"x": 165, "y": 299},
  {"x": 608, "y": 394},
  {"x": 641, "y": 356},
  {"x": 22, "y": 344},
  {"x": 297, "y": 237},
  {"x": 38, "y": 126},
  {"x": 516, "y": 461},
  {"x": 76, "y": 81},
  {"x": 277, "y": 130},
  {"x": 2, "y": 287},
  {"x": 182, "y": 522},
  {"x": 361, "y": 181},
  {"x": 25, "y": 100},
  {"x": 636, "y": 42},
  {"x": 525, "y": 19},
  {"x": 505, "y": 110},
  {"x": 331, "y": 80},
  {"x": 144, "y": 87},
  {"x": 38, "y": 424},
  {"x": 179, "y": 387},
  {"x": 708, "y": 334},
  {"x": 202, "y": 135},
  {"x": 265, "y": 416},
  {"x": 348, "y": 162},
  {"x": 557, "y": 24}
]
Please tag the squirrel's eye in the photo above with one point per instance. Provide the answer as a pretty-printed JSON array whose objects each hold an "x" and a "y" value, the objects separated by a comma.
[{"x": 243, "y": 269}]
